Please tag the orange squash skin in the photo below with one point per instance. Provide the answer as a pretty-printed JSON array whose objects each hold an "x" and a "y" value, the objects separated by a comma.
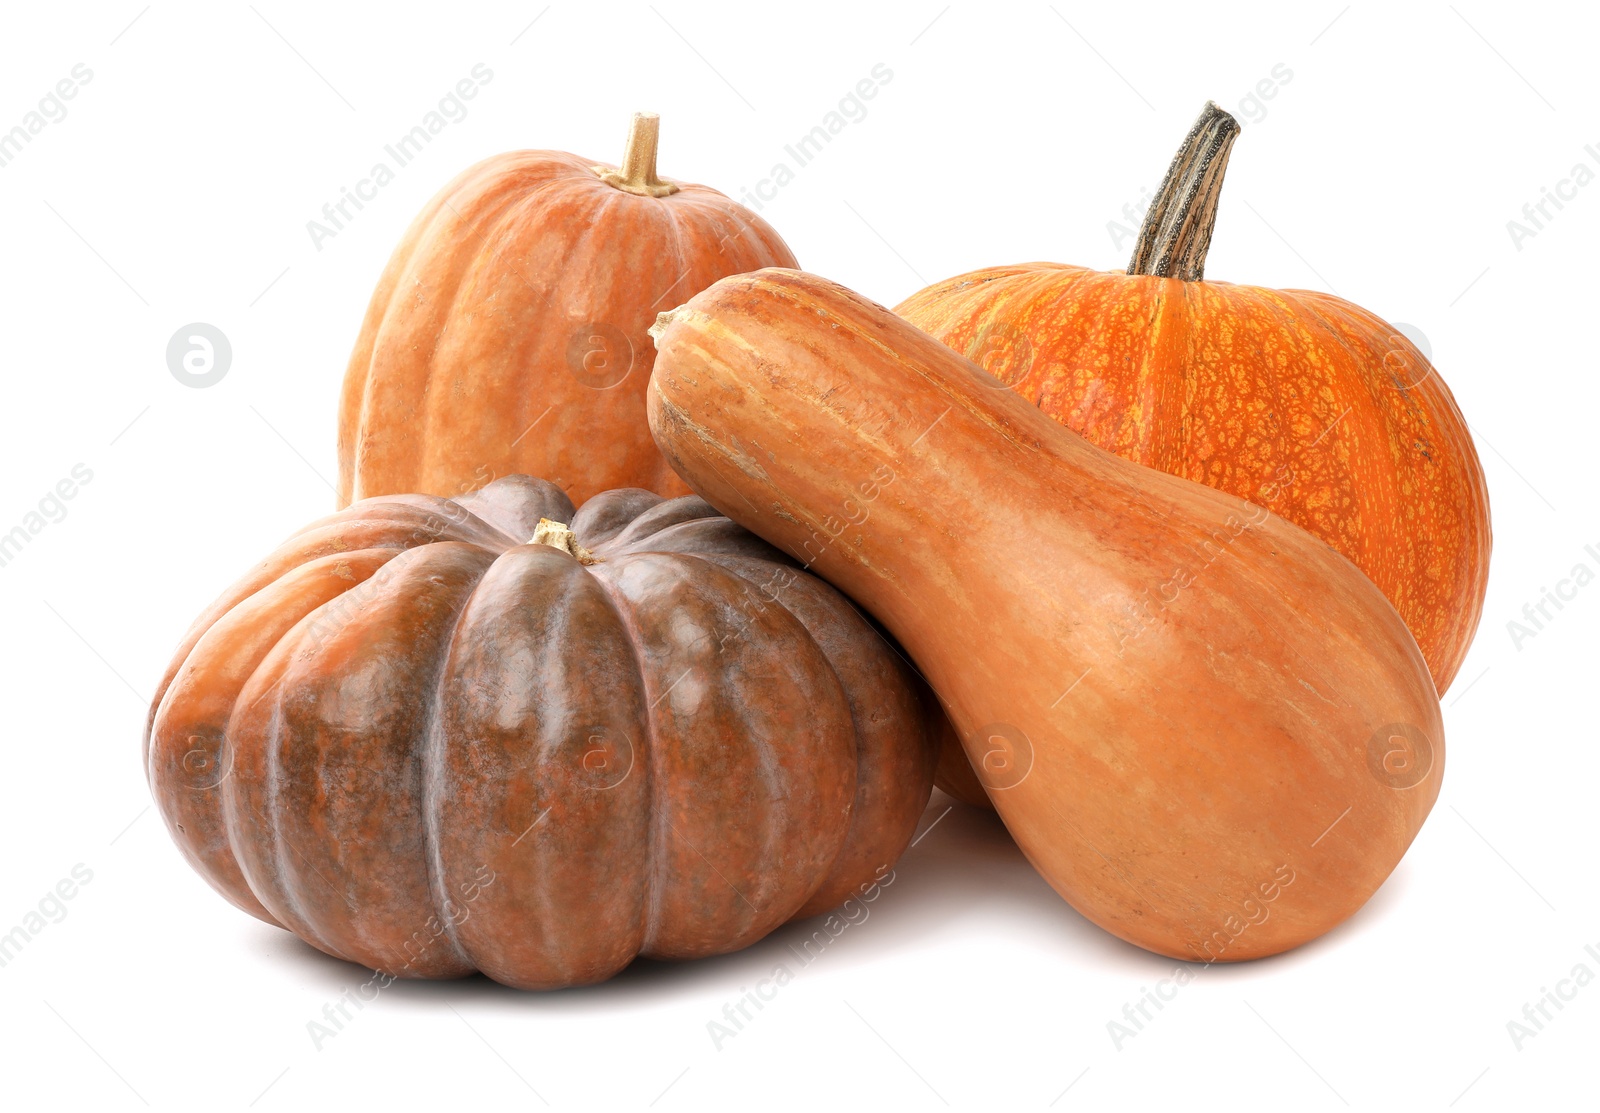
[
  {"x": 427, "y": 747},
  {"x": 1297, "y": 401},
  {"x": 508, "y": 333},
  {"x": 1186, "y": 709}
]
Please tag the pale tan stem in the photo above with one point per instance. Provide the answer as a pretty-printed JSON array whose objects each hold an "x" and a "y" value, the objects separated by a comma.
[
  {"x": 638, "y": 171},
  {"x": 557, "y": 535}
]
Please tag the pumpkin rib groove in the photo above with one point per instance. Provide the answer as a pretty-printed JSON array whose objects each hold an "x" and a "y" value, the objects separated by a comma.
[
  {"x": 1390, "y": 575},
  {"x": 653, "y": 850},
  {"x": 431, "y": 743},
  {"x": 1161, "y": 316},
  {"x": 431, "y": 225},
  {"x": 1191, "y": 378},
  {"x": 286, "y": 824},
  {"x": 435, "y": 662},
  {"x": 673, "y": 230},
  {"x": 411, "y": 277},
  {"x": 836, "y": 608},
  {"x": 799, "y": 768},
  {"x": 515, "y": 775},
  {"x": 234, "y": 595},
  {"x": 1065, "y": 360},
  {"x": 815, "y": 650},
  {"x": 283, "y": 892},
  {"x": 655, "y": 524},
  {"x": 421, "y": 744},
  {"x": 435, "y": 398},
  {"x": 232, "y": 816},
  {"x": 184, "y": 678},
  {"x": 1276, "y": 300},
  {"x": 1358, "y": 371},
  {"x": 762, "y": 754},
  {"x": 1459, "y": 472}
]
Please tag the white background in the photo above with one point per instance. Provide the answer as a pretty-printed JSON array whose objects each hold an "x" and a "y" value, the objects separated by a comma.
[{"x": 177, "y": 189}]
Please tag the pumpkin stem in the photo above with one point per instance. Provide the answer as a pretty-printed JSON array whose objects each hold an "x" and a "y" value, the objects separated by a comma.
[
  {"x": 638, "y": 171},
  {"x": 663, "y": 320},
  {"x": 1176, "y": 233},
  {"x": 558, "y": 535}
]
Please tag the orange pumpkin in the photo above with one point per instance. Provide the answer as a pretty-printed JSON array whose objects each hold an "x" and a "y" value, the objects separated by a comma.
[
  {"x": 1297, "y": 401},
  {"x": 508, "y": 334}
]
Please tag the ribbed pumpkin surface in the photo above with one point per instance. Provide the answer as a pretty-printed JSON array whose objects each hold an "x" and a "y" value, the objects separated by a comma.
[
  {"x": 430, "y": 748},
  {"x": 508, "y": 334}
]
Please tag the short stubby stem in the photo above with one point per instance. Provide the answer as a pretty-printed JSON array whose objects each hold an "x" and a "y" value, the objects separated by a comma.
[
  {"x": 558, "y": 535},
  {"x": 638, "y": 171}
]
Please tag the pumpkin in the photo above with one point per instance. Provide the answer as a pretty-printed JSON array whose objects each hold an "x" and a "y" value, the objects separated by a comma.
[
  {"x": 1295, "y": 400},
  {"x": 426, "y": 744},
  {"x": 508, "y": 334},
  {"x": 1209, "y": 731}
]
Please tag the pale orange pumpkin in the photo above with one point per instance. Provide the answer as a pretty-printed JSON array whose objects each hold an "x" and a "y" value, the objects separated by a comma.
[{"x": 508, "y": 334}]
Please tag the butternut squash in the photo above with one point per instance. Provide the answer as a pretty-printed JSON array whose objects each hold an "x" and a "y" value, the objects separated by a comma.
[{"x": 1206, "y": 728}]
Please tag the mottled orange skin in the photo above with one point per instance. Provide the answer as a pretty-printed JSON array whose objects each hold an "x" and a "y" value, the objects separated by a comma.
[
  {"x": 488, "y": 348},
  {"x": 426, "y": 746},
  {"x": 1297, "y": 401}
]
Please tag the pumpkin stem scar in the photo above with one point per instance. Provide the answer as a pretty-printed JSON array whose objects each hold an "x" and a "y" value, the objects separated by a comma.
[
  {"x": 557, "y": 535},
  {"x": 1176, "y": 233},
  {"x": 662, "y": 321},
  {"x": 638, "y": 171}
]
